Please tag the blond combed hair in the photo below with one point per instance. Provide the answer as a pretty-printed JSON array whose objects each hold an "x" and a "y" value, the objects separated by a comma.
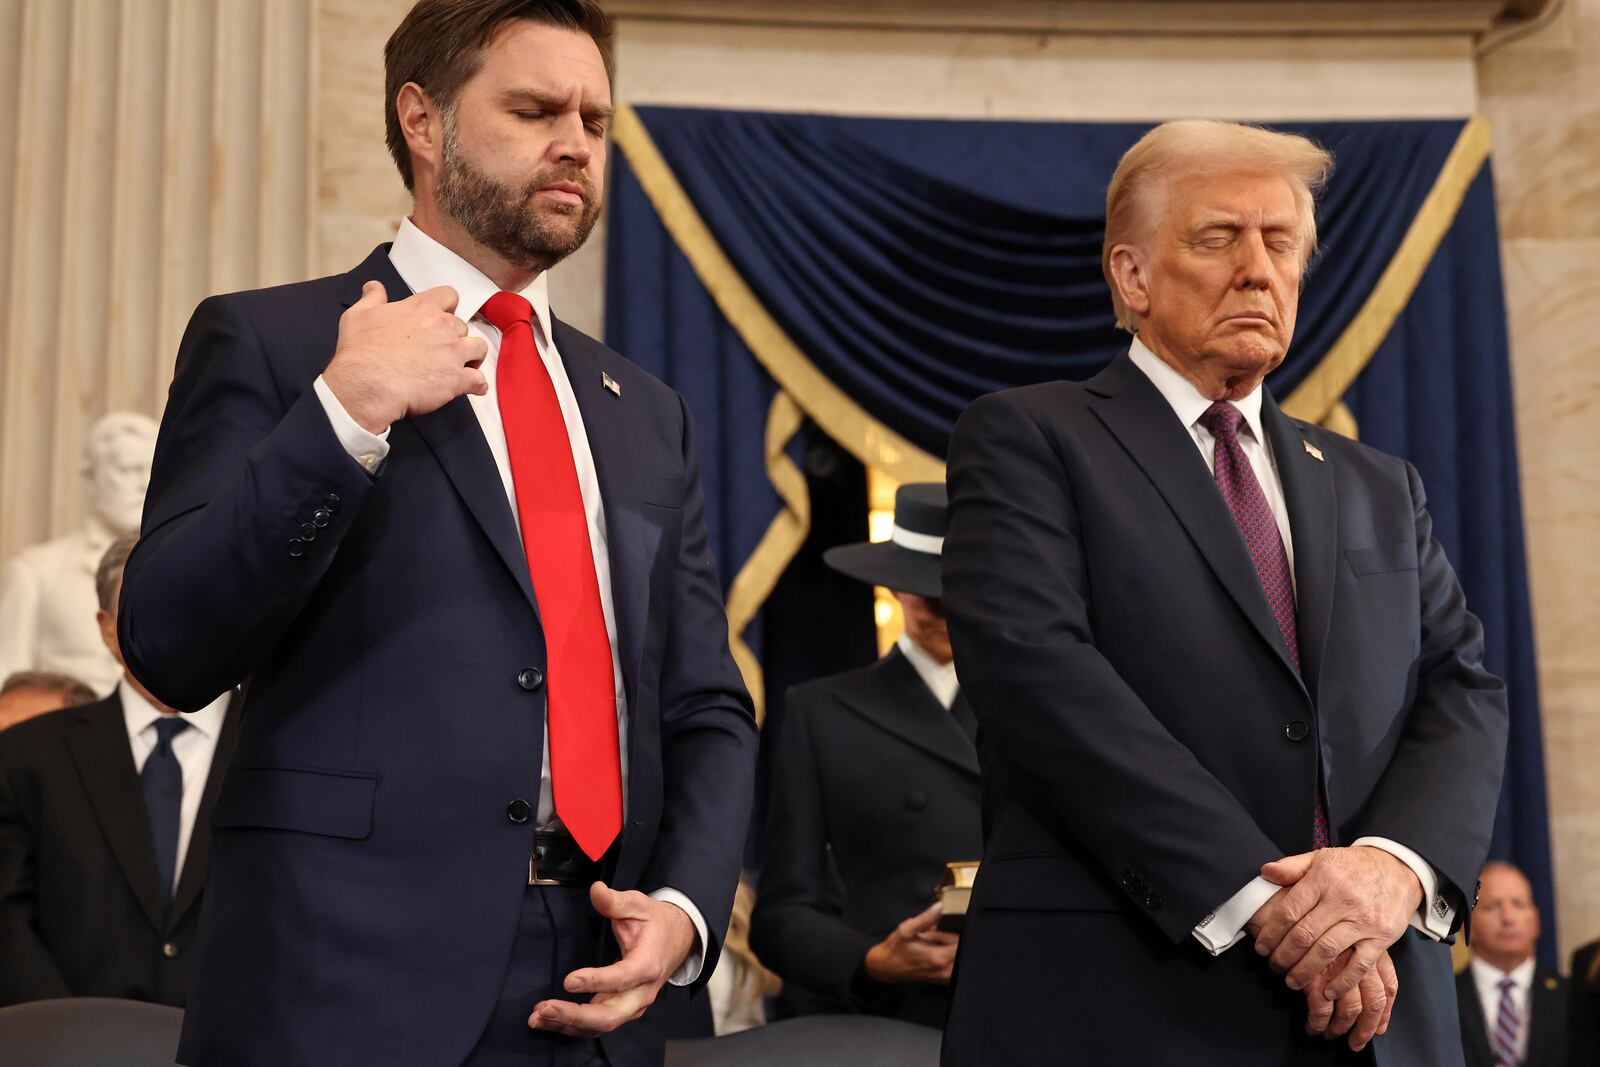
[{"x": 1192, "y": 147}]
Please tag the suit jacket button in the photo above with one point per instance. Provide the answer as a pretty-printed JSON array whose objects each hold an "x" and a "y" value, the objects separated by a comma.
[
  {"x": 530, "y": 678},
  {"x": 331, "y": 503},
  {"x": 1296, "y": 730},
  {"x": 519, "y": 811},
  {"x": 297, "y": 547},
  {"x": 916, "y": 800},
  {"x": 169, "y": 950},
  {"x": 320, "y": 517}
]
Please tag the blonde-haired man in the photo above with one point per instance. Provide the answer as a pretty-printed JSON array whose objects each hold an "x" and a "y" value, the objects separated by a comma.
[{"x": 1228, "y": 678}]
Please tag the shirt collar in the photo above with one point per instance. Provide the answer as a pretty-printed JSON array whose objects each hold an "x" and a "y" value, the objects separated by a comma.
[
  {"x": 139, "y": 713},
  {"x": 940, "y": 678},
  {"x": 1489, "y": 977},
  {"x": 424, "y": 263},
  {"x": 1181, "y": 395}
]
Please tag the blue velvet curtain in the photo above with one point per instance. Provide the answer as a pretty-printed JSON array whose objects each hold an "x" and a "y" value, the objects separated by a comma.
[{"x": 919, "y": 264}]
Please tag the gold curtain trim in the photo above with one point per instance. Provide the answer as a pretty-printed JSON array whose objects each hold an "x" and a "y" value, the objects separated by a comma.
[
  {"x": 841, "y": 418},
  {"x": 777, "y": 546},
  {"x": 1319, "y": 395}
]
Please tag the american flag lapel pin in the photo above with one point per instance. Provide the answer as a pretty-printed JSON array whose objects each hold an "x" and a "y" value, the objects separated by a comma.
[
  {"x": 1316, "y": 453},
  {"x": 616, "y": 390}
]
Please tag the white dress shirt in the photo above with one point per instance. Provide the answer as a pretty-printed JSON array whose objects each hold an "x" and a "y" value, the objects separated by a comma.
[
  {"x": 1487, "y": 978},
  {"x": 193, "y": 748},
  {"x": 940, "y": 678},
  {"x": 1224, "y": 927},
  {"x": 424, "y": 263}
]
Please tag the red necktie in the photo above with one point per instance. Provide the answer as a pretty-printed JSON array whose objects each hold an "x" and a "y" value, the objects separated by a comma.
[
  {"x": 1242, "y": 493},
  {"x": 581, "y": 705}
]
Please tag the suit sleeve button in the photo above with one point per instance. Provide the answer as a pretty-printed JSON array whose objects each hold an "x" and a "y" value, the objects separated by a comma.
[
  {"x": 320, "y": 517},
  {"x": 519, "y": 811},
  {"x": 297, "y": 547},
  {"x": 530, "y": 678},
  {"x": 308, "y": 532},
  {"x": 330, "y": 503},
  {"x": 1296, "y": 730},
  {"x": 1152, "y": 901}
]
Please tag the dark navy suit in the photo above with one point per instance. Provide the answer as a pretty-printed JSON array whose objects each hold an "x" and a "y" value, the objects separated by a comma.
[
  {"x": 371, "y": 848},
  {"x": 1148, "y": 745}
]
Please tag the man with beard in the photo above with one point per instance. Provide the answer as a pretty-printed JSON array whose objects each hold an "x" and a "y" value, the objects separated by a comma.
[{"x": 496, "y": 765}]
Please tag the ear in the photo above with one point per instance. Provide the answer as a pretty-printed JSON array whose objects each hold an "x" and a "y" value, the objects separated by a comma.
[
  {"x": 108, "y": 634},
  {"x": 1129, "y": 276},
  {"x": 420, "y": 125}
]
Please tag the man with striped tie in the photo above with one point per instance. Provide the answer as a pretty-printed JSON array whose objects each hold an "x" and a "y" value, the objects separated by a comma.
[
  {"x": 1513, "y": 1010},
  {"x": 1241, "y": 755}
]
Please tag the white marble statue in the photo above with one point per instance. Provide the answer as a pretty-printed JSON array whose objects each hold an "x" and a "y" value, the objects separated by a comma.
[{"x": 47, "y": 594}]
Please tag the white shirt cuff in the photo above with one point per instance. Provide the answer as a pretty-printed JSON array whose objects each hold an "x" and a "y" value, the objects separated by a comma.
[
  {"x": 365, "y": 447},
  {"x": 692, "y": 964},
  {"x": 1435, "y": 916},
  {"x": 1224, "y": 928}
]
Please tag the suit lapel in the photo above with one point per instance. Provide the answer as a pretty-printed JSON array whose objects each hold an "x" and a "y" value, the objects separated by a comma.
[
  {"x": 897, "y": 700},
  {"x": 456, "y": 439},
  {"x": 1475, "y": 1031},
  {"x": 98, "y": 742},
  {"x": 1545, "y": 1000},
  {"x": 1140, "y": 418},
  {"x": 1309, "y": 494},
  {"x": 193, "y": 876},
  {"x": 631, "y": 539}
]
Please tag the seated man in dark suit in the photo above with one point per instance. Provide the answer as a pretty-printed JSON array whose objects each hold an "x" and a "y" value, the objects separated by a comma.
[
  {"x": 28, "y": 693},
  {"x": 875, "y": 788},
  {"x": 1513, "y": 1011},
  {"x": 104, "y": 829}
]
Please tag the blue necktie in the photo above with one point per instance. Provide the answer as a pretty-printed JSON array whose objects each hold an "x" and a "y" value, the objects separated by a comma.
[{"x": 162, "y": 779}]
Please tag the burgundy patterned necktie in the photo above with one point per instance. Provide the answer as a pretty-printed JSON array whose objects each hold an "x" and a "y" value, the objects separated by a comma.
[{"x": 1242, "y": 493}]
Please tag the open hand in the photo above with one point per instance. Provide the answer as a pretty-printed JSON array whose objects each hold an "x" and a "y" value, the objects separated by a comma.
[{"x": 656, "y": 937}]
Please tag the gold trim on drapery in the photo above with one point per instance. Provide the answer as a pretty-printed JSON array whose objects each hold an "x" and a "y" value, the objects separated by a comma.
[
  {"x": 1322, "y": 393},
  {"x": 777, "y": 546},
  {"x": 804, "y": 389}
]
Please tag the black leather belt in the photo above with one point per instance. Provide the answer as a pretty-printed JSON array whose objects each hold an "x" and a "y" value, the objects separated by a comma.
[{"x": 557, "y": 860}]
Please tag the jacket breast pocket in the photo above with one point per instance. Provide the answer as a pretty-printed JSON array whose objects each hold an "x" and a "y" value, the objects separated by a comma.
[
  {"x": 329, "y": 803},
  {"x": 1382, "y": 559}
]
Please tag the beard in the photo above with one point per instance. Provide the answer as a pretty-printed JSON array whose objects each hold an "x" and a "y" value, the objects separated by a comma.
[{"x": 507, "y": 219}]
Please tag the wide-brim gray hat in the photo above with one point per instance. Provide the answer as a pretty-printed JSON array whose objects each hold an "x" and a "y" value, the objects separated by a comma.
[{"x": 909, "y": 561}]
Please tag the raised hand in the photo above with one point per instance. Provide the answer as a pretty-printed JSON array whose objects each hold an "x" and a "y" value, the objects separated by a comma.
[
  {"x": 406, "y": 358},
  {"x": 656, "y": 937},
  {"x": 914, "y": 951}
]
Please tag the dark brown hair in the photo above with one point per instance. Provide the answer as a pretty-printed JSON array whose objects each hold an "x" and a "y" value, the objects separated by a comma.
[{"x": 439, "y": 45}]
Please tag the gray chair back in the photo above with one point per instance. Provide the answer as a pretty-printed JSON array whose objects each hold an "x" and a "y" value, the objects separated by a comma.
[
  {"x": 89, "y": 1032},
  {"x": 815, "y": 1041}
]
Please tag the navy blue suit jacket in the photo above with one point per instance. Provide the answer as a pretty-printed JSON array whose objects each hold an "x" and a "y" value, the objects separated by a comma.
[
  {"x": 1148, "y": 745},
  {"x": 365, "y": 874}
]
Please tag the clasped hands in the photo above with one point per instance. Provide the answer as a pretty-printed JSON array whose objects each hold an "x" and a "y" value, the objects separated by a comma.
[
  {"x": 1328, "y": 931},
  {"x": 656, "y": 937}
]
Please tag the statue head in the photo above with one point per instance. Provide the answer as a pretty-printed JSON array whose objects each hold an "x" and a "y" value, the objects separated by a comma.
[{"x": 116, "y": 462}]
